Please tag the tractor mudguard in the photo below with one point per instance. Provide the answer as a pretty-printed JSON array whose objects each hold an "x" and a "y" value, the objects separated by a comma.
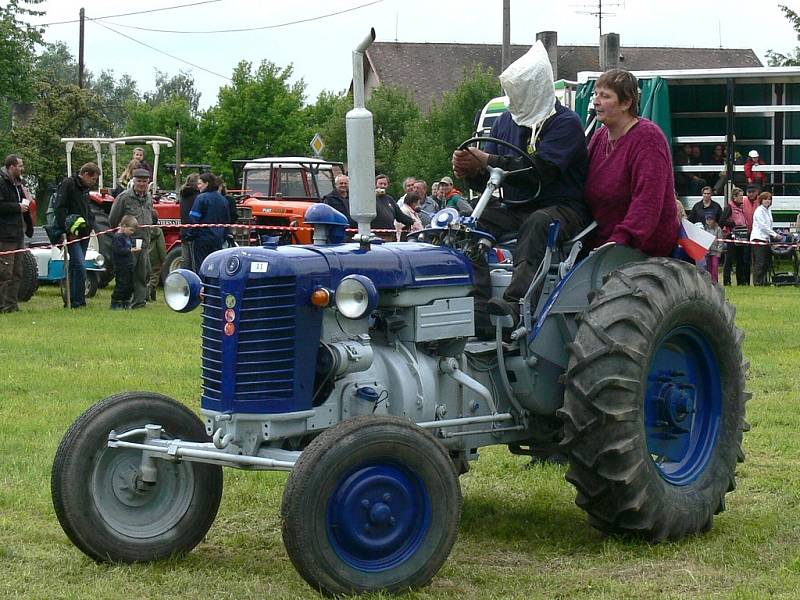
[{"x": 556, "y": 324}]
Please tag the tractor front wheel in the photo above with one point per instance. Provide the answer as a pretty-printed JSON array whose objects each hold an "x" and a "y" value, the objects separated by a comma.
[
  {"x": 654, "y": 402},
  {"x": 373, "y": 504},
  {"x": 101, "y": 500}
]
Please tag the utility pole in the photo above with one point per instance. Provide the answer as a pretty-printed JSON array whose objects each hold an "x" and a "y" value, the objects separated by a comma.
[
  {"x": 80, "y": 49},
  {"x": 505, "y": 55}
]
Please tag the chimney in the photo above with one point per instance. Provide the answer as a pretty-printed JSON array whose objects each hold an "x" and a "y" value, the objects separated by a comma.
[
  {"x": 609, "y": 51},
  {"x": 550, "y": 41}
]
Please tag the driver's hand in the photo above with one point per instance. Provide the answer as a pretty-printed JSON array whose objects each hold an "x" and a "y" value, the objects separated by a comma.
[{"x": 469, "y": 161}]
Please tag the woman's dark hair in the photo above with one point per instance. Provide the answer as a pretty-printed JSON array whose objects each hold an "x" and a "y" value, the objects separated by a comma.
[
  {"x": 412, "y": 199},
  {"x": 623, "y": 83},
  {"x": 211, "y": 180}
]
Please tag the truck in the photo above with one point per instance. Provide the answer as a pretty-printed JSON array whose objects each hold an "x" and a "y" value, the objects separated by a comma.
[{"x": 353, "y": 366}]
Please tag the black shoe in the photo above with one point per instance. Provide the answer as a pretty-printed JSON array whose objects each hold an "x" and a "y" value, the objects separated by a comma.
[
  {"x": 152, "y": 294},
  {"x": 501, "y": 308},
  {"x": 140, "y": 305}
]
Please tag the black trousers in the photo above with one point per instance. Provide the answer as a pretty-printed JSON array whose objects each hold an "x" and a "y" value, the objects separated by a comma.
[
  {"x": 123, "y": 289},
  {"x": 762, "y": 258},
  {"x": 532, "y": 226},
  {"x": 738, "y": 254}
]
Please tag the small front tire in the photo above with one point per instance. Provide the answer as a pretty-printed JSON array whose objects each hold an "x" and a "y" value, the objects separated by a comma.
[{"x": 100, "y": 500}]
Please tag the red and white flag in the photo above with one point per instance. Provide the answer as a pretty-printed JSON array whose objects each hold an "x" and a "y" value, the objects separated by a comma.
[{"x": 695, "y": 240}]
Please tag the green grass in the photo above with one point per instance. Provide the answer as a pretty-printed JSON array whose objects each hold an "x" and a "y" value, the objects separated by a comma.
[{"x": 521, "y": 535}]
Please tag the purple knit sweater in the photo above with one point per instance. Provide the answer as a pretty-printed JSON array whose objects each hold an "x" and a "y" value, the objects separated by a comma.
[{"x": 630, "y": 189}]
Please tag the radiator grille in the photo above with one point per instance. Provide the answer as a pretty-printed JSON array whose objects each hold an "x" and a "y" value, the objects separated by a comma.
[{"x": 264, "y": 353}]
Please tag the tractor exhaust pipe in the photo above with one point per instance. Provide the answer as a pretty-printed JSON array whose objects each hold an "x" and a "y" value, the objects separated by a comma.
[{"x": 361, "y": 148}]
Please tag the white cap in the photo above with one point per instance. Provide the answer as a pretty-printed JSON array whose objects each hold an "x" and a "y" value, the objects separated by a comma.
[{"x": 753, "y": 154}]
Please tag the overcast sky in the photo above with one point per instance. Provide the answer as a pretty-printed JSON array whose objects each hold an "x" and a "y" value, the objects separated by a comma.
[{"x": 320, "y": 49}]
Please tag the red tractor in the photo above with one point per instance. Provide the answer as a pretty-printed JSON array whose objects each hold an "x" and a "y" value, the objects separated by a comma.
[{"x": 279, "y": 190}]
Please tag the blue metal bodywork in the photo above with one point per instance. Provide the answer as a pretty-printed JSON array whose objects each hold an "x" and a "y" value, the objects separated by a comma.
[{"x": 257, "y": 308}]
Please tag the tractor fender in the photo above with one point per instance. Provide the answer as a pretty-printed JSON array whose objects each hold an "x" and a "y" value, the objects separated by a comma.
[{"x": 557, "y": 324}]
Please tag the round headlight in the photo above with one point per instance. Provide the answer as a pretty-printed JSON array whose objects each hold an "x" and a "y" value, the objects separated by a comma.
[
  {"x": 99, "y": 260},
  {"x": 356, "y": 296},
  {"x": 182, "y": 290}
]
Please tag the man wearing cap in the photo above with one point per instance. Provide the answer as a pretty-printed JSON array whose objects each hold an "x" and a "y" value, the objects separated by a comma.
[
  {"x": 758, "y": 177},
  {"x": 552, "y": 190},
  {"x": 72, "y": 202},
  {"x": 137, "y": 202},
  {"x": 453, "y": 198}
]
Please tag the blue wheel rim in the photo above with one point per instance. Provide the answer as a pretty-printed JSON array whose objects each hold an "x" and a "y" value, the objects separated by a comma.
[
  {"x": 683, "y": 405},
  {"x": 378, "y": 516}
]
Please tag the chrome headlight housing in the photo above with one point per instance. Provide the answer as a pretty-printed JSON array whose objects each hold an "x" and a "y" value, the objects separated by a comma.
[
  {"x": 182, "y": 290},
  {"x": 356, "y": 296}
]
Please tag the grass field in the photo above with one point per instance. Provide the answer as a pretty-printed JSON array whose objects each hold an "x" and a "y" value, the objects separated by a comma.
[{"x": 521, "y": 535}]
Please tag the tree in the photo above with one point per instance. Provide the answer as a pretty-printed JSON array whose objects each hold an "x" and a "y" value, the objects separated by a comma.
[
  {"x": 56, "y": 65},
  {"x": 60, "y": 111},
  {"x": 776, "y": 59},
  {"x": 17, "y": 41},
  {"x": 393, "y": 111},
  {"x": 116, "y": 99},
  {"x": 259, "y": 114},
  {"x": 429, "y": 143},
  {"x": 177, "y": 86}
]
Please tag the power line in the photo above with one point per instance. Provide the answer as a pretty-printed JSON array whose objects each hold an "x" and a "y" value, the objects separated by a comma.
[
  {"x": 140, "y": 12},
  {"x": 248, "y": 28},
  {"x": 162, "y": 52}
]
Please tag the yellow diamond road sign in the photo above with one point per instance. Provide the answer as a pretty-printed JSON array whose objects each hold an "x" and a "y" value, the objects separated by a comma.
[{"x": 317, "y": 145}]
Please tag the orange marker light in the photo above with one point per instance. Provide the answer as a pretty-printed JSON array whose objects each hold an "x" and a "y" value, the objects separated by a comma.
[{"x": 320, "y": 297}]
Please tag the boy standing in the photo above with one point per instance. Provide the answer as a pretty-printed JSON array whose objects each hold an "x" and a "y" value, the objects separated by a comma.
[
  {"x": 123, "y": 249},
  {"x": 715, "y": 251}
]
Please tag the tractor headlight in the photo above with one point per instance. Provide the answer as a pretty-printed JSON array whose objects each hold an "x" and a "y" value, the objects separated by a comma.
[
  {"x": 356, "y": 296},
  {"x": 182, "y": 290},
  {"x": 99, "y": 260}
]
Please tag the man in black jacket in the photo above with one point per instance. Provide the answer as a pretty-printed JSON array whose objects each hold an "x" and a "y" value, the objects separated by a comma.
[
  {"x": 339, "y": 197},
  {"x": 15, "y": 220},
  {"x": 73, "y": 216}
]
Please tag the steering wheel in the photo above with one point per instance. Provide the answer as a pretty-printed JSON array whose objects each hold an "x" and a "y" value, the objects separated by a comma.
[{"x": 531, "y": 166}]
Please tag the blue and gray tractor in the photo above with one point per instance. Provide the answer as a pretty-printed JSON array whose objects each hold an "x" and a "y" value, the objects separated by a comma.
[{"x": 353, "y": 366}]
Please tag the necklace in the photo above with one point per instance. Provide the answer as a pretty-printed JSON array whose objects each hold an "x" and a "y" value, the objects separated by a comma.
[{"x": 611, "y": 144}]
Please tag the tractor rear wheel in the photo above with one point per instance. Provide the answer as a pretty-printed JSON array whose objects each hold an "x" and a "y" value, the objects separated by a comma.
[
  {"x": 654, "y": 403},
  {"x": 30, "y": 277},
  {"x": 103, "y": 505},
  {"x": 373, "y": 503},
  {"x": 172, "y": 262}
]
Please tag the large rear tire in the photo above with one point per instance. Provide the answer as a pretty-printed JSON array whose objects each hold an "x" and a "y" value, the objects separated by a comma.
[
  {"x": 172, "y": 262},
  {"x": 654, "y": 402},
  {"x": 30, "y": 277},
  {"x": 105, "y": 508},
  {"x": 372, "y": 504}
]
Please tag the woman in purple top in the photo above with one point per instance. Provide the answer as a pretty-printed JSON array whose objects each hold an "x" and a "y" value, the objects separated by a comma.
[{"x": 630, "y": 187}]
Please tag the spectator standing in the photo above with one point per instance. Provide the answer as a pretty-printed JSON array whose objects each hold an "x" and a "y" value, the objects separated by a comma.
[
  {"x": 738, "y": 223},
  {"x": 762, "y": 232},
  {"x": 210, "y": 207},
  {"x": 706, "y": 206},
  {"x": 123, "y": 249},
  {"x": 409, "y": 208},
  {"x": 453, "y": 198},
  {"x": 408, "y": 187},
  {"x": 339, "y": 198},
  {"x": 428, "y": 205},
  {"x": 188, "y": 194},
  {"x": 126, "y": 178},
  {"x": 158, "y": 253},
  {"x": 138, "y": 203},
  {"x": 758, "y": 177},
  {"x": 715, "y": 251},
  {"x": 15, "y": 222},
  {"x": 138, "y": 155},
  {"x": 72, "y": 213},
  {"x": 386, "y": 208}
]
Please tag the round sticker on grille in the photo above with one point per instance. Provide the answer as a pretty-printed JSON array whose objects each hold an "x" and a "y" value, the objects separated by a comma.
[{"x": 230, "y": 300}]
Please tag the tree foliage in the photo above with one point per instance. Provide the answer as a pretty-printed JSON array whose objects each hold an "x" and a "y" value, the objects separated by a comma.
[
  {"x": 17, "y": 41},
  {"x": 177, "y": 86},
  {"x": 776, "y": 59},
  {"x": 259, "y": 114},
  {"x": 426, "y": 150}
]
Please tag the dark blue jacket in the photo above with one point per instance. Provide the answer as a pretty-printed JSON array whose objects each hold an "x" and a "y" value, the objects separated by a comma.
[
  {"x": 209, "y": 207},
  {"x": 121, "y": 248}
]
